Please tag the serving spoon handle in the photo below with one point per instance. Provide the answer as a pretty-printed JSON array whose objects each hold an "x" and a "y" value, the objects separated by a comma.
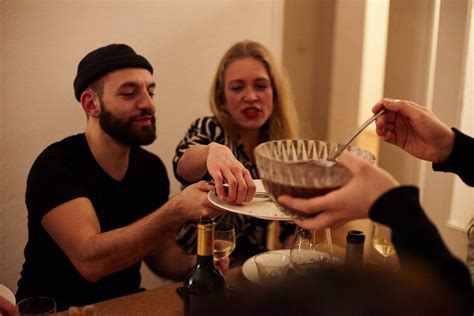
[{"x": 355, "y": 134}]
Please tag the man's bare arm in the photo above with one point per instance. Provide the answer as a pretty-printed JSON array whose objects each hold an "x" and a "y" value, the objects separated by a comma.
[{"x": 95, "y": 254}]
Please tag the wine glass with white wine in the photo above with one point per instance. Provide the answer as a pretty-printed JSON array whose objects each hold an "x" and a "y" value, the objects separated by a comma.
[
  {"x": 382, "y": 241},
  {"x": 224, "y": 240}
]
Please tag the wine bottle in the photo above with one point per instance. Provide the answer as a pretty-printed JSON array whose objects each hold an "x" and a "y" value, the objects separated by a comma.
[
  {"x": 204, "y": 285},
  {"x": 355, "y": 248}
]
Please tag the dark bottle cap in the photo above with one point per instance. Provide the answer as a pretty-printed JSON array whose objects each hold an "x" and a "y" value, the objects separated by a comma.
[
  {"x": 355, "y": 237},
  {"x": 205, "y": 220}
]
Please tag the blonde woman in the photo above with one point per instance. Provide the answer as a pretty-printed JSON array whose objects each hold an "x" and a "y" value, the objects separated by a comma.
[{"x": 251, "y": 102}]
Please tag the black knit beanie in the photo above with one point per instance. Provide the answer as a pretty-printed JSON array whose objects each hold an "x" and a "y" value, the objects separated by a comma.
[{"x": 103, "y": 60}]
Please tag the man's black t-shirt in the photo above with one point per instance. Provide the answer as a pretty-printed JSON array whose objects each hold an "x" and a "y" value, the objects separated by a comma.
[{"x": 67, "y": 170}]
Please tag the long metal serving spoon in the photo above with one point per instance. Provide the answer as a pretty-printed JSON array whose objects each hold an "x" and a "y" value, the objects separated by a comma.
[{"x": 355, "y": 134}]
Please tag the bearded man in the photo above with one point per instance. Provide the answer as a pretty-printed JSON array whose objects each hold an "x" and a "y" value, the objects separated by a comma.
[{"x": 98, "y": 202}]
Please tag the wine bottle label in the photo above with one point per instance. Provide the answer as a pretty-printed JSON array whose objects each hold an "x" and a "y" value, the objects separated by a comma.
[{"x": 205, "y": 239}]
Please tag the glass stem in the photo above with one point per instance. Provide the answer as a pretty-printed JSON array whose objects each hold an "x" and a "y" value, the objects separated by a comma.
[{"x": 223, "y": 275}]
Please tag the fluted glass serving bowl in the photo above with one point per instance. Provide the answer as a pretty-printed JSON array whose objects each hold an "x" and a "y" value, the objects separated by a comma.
[{"x": 300, "y": 168}]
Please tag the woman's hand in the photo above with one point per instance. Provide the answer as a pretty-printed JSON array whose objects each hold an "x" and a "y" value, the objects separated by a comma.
[{"x": 225, "y": 168}]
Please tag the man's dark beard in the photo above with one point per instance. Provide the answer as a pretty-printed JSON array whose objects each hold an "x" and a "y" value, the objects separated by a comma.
[{"x": 124, "y": 131}]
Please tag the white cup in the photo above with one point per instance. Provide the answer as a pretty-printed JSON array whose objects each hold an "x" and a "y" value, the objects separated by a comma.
[{"x": 272, "y": 267}]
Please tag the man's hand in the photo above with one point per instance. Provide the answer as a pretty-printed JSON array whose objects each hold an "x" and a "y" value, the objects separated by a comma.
[
  {"x": 7, "y": 308},
  {"x": 414, "y": 129},
  {"x": 193, "y": 202},
  {"x": 351, "y": 201},
  {"x": 222, "y": 264}
]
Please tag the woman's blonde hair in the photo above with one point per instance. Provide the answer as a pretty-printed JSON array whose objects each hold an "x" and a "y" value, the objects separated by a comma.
[{"x": 282, "y": 122}]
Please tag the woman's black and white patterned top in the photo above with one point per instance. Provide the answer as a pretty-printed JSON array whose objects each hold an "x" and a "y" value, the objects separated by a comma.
[{"x": 250, "y": 231}]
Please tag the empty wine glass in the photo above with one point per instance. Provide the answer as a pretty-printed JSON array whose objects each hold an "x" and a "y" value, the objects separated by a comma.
[
  {"x": 310, "y": 249},
  {"x": 382, "y": 241}
]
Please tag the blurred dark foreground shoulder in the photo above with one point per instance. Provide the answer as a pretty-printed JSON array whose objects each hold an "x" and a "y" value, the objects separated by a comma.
[{"x": 343, "y": 291}]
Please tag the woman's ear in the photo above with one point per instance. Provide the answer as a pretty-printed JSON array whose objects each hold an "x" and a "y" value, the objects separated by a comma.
[{"x": 90, "y": 103}]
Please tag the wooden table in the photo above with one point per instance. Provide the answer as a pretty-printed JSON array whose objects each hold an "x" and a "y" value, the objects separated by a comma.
[
  {"x": 161, "y": 301},
  {"x": 166, "y": 301}
]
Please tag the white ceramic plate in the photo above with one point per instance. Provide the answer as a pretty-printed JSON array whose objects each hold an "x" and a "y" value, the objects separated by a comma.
[
  {"x": 261, "y": 208},
  {"x": 249, "y": 269},
  {"x": 6, "y": 293}
]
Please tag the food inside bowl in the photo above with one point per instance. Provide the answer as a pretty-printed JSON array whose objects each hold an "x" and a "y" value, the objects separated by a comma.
[{"x": 278, "y": 189}]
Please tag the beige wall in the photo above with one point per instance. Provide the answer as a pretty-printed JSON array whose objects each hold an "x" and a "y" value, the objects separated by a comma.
[
  {"x": 427, "y": 65},
  {"x": 41, "y": 44},
  {"x": 407, "y": 72},
  {"x": 447, "y": 102},
  {"x": 307, "y": 54}
]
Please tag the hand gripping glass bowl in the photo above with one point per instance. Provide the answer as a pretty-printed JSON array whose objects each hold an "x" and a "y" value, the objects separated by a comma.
[{"x": 300, "y": 168}]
